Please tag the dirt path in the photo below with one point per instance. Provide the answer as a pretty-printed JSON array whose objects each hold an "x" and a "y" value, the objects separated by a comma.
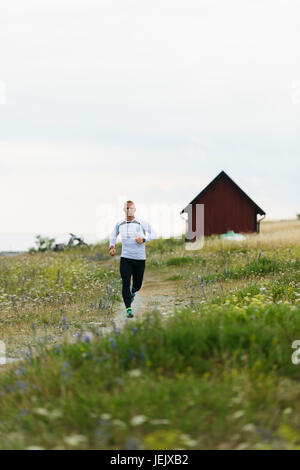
[{"x": 155, "y": 294}]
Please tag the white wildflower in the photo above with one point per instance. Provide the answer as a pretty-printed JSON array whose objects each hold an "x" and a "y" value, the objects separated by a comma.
[
  {"x": 105, "y": 416},
  {"x": 242, "y": 446},
  {"x": 238, "y": 414},
  {"x": 41, "y": 411},
  {"x": 188, "y": 441},
  {"x": 138, "y": 419},
  {"x": 249, "y": 427},
  {"x": 159, "y": 421},
  {"x": 34, "y": 448},
  {"x": 135, "y": 373},
  {"x": 74, "y": 439}
]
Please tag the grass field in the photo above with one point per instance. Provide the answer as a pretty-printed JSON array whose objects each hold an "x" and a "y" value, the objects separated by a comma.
[{"x": 214, "y": 373}]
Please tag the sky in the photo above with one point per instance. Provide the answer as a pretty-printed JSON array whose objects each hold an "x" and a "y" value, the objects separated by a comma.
[{"x": 108, "y": 100}]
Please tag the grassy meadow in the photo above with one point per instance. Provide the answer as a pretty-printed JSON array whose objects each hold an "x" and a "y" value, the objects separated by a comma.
[{"x": 214, "y": 373}]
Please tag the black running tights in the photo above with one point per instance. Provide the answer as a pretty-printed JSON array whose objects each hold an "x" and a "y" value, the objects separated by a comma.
[{"x": 135, "y": 268}]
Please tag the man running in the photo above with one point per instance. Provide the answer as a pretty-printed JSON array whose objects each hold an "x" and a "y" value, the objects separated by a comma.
[{"x": 133, "y": 257}]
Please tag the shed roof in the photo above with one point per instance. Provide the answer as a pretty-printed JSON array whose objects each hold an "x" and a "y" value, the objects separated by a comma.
[{"x": 222, "y": 173}]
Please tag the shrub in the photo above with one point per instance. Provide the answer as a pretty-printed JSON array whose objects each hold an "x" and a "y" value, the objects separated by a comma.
[{"x": 43, "y": 244}]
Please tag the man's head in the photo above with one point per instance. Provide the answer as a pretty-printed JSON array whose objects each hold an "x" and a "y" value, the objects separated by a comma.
[{"x": 129, "y": 209}]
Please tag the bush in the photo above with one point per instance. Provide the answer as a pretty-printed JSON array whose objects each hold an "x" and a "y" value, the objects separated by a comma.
[{"x": 43, "y": 244}]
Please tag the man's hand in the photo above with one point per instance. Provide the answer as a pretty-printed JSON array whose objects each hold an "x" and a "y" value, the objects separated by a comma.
[
  {"x": 112, "y": 251},
  {"x": 139, "y": 240}
]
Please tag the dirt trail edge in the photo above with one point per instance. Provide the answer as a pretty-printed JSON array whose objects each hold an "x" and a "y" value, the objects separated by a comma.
[{"x": 155, "y": 294}]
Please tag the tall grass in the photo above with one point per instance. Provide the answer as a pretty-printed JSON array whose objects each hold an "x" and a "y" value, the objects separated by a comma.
[
  {"x": 192, "y": 382},
  {"x": 215, "y": 375}
]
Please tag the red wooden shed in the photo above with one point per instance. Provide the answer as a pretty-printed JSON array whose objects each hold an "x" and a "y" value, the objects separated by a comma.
[{"x": 226, "y": 207}]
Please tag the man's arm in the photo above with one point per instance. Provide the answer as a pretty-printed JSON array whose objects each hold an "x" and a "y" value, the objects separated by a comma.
[
  {"x": 151, "y": 234},
  {"x": 113, "y": 236}
]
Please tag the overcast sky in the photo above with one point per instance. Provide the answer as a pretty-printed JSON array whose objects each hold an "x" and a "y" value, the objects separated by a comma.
[{"x": 108, "y": 100}]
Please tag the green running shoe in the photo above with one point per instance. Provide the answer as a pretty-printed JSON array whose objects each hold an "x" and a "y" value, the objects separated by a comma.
[{"x": 129, "y": 312}]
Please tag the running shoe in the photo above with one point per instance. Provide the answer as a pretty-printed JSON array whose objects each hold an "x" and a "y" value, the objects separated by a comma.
[{"x": 129, "y": 312}]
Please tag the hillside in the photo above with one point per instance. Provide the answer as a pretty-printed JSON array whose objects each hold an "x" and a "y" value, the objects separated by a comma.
[{"x": 205, "y": 363}]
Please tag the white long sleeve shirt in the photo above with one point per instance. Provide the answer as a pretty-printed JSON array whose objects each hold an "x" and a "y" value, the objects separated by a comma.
[{"x": 128, "y": 231}]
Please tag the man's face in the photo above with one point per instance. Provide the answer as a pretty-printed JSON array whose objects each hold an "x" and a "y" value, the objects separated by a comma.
[{"x": 129, "y": 209}]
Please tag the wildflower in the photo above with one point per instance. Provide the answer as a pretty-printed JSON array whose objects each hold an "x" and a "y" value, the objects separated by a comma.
[
  {"x": 87, "y": 338},
  {"x": 138, "y": 419},
  {"x": 19, "y": 371},
  {"x": 159, "y": 421},
  {"x": 206, "y": 375},
  {"x": 75, "y": 439},
  {"x": 113, "y": 343},
  {"x": 107, "y": 356},
  {"x": 34, "y": 448},
  {"x": 249, "y": 427},
  {"x": 65, "y": 369},
  {"x": 238, "y": 414},
  {"x": 64, "y": 323},
  {"x": 242, "y": 446},
  {"x": 41, "y": 411},
  {"x": 132, "y": 353},
  {"x": 134, "y": 373},
  {"x": 188, "y": 440},
  {"x": 105, "y": 416}
]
